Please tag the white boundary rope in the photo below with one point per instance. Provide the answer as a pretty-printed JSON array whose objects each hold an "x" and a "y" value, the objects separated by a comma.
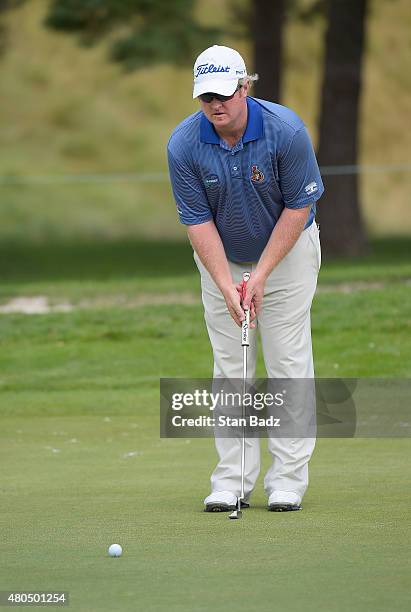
[{"x": 161, "y": 177}]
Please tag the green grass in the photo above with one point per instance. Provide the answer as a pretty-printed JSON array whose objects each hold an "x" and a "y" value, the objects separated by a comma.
[
  {"x": 76, "y": 270},
  {"x": 346, "y": 550},
  {"x": 83, "y": 464}
]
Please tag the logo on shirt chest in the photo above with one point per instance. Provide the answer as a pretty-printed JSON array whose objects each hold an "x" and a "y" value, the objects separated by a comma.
[
  {"x": 211, "y": 181},
  {"x": 257, "y": 176}
]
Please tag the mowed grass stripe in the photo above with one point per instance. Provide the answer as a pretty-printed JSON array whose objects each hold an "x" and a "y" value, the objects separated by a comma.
[{"x": 359, "y": 334}]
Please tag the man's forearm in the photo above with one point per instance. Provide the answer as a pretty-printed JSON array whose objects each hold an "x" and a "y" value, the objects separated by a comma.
[
  {"x": 206, "y": 242},
  {"x": 284, "y": 236}
]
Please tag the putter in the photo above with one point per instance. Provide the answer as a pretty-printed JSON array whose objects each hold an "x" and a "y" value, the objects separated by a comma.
[{"x": 245, "y": 343}]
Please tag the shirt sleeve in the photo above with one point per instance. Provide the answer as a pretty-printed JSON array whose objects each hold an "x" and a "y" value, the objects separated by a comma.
[
  {"x": 192, "y": 204},
  {"x": 299, "y": 174}
]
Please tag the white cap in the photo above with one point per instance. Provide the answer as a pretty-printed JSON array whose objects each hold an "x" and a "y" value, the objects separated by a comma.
[{"x": 217, "y": 70}]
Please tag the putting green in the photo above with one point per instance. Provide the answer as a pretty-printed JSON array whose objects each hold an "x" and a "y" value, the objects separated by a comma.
[{"x": 73, "y": 485}]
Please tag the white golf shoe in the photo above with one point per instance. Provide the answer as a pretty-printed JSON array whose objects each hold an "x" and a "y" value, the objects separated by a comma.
[
  {"x": 222, "y": 501},
  {"x": 284, "y": 501}
]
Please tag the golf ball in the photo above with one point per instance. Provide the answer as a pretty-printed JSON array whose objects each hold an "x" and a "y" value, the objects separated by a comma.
[{"x": 115, "y": 550}]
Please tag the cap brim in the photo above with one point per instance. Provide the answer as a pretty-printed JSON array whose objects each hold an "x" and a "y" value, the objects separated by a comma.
[{"x": 224, "y": 88}]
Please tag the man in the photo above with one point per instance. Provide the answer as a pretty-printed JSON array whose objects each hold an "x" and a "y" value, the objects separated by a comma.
[{"x": 245, "y": 180}]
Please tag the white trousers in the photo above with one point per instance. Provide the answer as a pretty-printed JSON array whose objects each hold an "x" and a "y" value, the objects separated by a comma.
[{"x": 285, "y": 330}]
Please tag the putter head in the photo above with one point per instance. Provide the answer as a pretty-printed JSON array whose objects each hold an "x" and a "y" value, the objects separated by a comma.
[{"x": 237, "y": 514}]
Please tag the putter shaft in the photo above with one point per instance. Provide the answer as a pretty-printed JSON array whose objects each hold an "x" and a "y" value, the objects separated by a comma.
[{"x": 245, "y": 342}]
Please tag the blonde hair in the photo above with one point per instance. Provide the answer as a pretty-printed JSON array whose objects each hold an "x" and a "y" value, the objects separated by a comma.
[{"x": 249, "y": 78}]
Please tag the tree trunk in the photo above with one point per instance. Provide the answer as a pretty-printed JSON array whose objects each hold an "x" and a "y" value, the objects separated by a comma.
[
  {"x": 342, "y": 231},
  {"x": 267, "y": 28}
]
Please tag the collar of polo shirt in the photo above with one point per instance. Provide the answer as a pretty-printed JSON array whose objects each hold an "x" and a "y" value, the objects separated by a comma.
[{"x": 253, "y": 131}]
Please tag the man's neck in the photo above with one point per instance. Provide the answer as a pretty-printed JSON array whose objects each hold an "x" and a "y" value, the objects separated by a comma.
[{"x": 232, "y": 135}]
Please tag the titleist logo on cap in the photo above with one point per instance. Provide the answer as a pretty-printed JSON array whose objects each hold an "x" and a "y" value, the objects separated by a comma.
[
  {"x": 218, "y": 69},
  {"x": 207, "y": 68}
]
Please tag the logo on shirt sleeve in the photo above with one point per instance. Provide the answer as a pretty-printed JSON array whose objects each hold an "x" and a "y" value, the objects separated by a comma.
[
  {"x": 256, "y": 175},
  {"x": 311, "y": 188}
]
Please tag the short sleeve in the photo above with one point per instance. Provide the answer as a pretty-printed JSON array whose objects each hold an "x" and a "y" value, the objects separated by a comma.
[
  {"x": 192, "y": 204},
  {"x": 299, "y": 174}
]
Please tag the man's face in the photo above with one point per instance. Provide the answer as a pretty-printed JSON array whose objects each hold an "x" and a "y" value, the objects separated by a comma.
[{"x": 226, "y": 114}]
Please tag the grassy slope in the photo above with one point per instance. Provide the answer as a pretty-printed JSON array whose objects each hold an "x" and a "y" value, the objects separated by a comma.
[{"x": 66, "y": 110}]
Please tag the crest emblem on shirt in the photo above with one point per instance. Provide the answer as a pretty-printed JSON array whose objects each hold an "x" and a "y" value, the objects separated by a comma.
[{"x": 256, "y": 175}]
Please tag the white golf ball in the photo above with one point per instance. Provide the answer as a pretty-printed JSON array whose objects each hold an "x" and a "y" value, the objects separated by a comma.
[{"x": 115, "y": 550}]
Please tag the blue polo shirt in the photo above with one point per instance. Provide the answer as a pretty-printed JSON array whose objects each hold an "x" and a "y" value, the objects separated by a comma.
[{"x": 244, "y": 189}]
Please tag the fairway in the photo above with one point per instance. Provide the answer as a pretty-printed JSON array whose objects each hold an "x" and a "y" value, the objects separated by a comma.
[{"x": 83, "y": 465}]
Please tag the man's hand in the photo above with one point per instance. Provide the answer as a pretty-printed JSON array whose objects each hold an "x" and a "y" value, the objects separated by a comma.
[
  {"x": 233, "y": 301},
  {"x": 207, "y": 243},
  {"x": 254, "y": 295},
  {"x": 232, "y": 298}
]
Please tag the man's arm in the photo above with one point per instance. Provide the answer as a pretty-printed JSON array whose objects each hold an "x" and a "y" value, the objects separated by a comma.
[
  {"x": 195, "y": 213},
  {"x": 284, "y": 236},
  {"x": 206, "y": 242}
]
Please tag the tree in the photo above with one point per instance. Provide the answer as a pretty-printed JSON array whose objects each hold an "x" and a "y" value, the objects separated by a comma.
[
  {"x": 267, "y": 36},
  {"x": 149, "y": 31},
  {"x": 6, "y": 5},
  {"x": 339, "y": 211},
  {"x": 262, "y": 23},
  {"x": 145, "y": 31}
]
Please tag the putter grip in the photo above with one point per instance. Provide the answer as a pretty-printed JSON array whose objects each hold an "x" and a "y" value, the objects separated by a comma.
[
  {"x": 245, "y": 325},
  {"x": 245, "y": 328}
]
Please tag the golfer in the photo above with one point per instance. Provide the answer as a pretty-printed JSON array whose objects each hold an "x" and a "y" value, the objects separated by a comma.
[{"x": 246, "y": 181}]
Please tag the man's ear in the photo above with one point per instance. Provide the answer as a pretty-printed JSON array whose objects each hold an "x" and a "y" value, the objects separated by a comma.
[{"x": 244, "y": 90}]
